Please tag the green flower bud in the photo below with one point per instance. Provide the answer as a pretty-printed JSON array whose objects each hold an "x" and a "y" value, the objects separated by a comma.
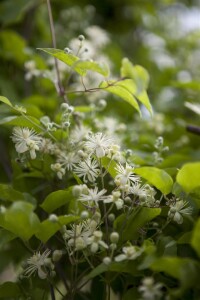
[
  {"x": 57, "y": 254},
  {"x": 114, "y": 237},
  {"x": 107, "y": 260}
]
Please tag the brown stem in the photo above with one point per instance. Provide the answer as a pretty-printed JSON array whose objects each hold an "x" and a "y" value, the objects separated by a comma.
[
  {"x": 60, "y": 88},
  {"x": 193, "y": 129}
]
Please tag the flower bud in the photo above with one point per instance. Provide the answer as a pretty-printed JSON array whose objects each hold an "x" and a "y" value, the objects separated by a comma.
[
  {"x": 53, "y": 218},
  {"x": 84, "y": 214},
  {"x": 107, "y": 260},
  {"x": 114, "y": 237},
  {"x": 76, "y": 191},
  {"x": 111, "y": 218},
  {"x": 57, "y": 254},
  {"x": 81, "y": 37}
]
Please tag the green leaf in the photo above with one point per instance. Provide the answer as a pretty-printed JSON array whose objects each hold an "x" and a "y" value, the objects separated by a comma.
[
  {"x": 129, "y": 225},
  {"x": 57, "y": 199},
  {"x": 188, "y": 176},
  {"x": 20, "y": 219},
  {"x": 12, "y": 46},
  {"x": 97, "y": 271},
  {"x": 110, "y": 166},
  {"x": 9, "y": 290},
  {"x": 157, "y": 177},
  {"x": 128, "y": 266},
  {"x": 139, "y": 75},
  {"x": 144, "y": 99},
  {"x": 9, "y": 194},
  {"x": 130, "y": 85},
  {"x": 24, "y": 121},
  {"x": 185, "y": 270},
  {"x": 5, "y": 237},
  {"x": 115, "y": 88},
  {"x": 98, "y": 67},
  {"x": 195, "y": 241},
  {"x": 5, "y": 101},
  {"x": 68, "y": 59},
  {"x": 47, "y": 228}
]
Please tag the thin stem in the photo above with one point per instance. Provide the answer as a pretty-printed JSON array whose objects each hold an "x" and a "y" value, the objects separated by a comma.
[
  {"x": 60, "y": 88},
  {"x": 104, "y": 205},
  {"x": 52, "y": 292}
]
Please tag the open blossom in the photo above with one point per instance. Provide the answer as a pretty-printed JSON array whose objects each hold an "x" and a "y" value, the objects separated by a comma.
[
  {"x": 125, "y": 177},
  {"x": 26, "y": 139},
  {"x": 115, "y": 198},
  {"x": 98, "y": 144},
  {"x": 178, "y": 209},
  {"x": 79, "y": 234},
  {"x": 150, "y": 290},
  {"x": 68, "y": 160},
  {"x": 93, "y": 196},
  {"x": 60, "y": 171},
  {"x": 36, "y": 264},
  {"x": 88, "y": 169},
  {"x": 129, "y": 253}
]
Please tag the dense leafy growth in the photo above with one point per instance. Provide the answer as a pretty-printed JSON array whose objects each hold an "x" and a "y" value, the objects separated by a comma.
[{"x": 99, "y": 177}]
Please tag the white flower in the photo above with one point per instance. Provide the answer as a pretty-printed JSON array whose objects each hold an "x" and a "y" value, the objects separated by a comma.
[
  {"x": 178, "y": 209},
  {"x": 68, "y": 160},
  {"x": 98, "y": 144},
  {"x": 129, "y": 253},
  {"x": 36, "y": 264},
  {"x": 57, "y": 167},
  {"x": 97, "y": 35},
  {"x": 93, "y": 196},
  {"x": 150, "y": 290},
  {"x": 26, "y": 139},
  {"x": 96, "y": 242},
  {"x": 115, "y": 198},
  {"x": 138, "y": 190},
  {"x": 125, "y": 177},
  {"x": 78, "y": 236},
  {"x": 47, "y": 146},
  {"x": 88, "y": 169},
  {"x": 78, "y": 133}
]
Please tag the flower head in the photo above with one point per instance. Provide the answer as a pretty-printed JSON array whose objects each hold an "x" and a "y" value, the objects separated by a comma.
[
  {"x": 150, "y": 290},
  {"x": 93, "y": 196},
  {"x": 79, "y": 234},
  {"x": 125, "y": 177},
  {"x": 88, "y": 169},
  {"x": 98, "y": 144},
  {"x": 129, "y": 253},
  {"x": 178, "y": 209},
  {"x": 26, "y": 139},
  {"x": 36, "y": 263}
]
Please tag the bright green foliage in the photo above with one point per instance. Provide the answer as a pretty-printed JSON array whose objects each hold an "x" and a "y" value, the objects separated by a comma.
[
  {"x": 5, "y": 100},
  {"x": 48, "y": 228},
  {"x": 100, "y": 68},
  {"x": 195, "y": 240},
  {"x": 183, "y": 269},
  {"x": 130, "y": 225},
  {"x": 20, "y": 219},
  {"x": 68, "y": 59},
  {"x": 117, "y": 89},
  {"x": 159, "y": 178},
  {"x": 188, "y": 176},
  {"x": 88, "y": 189},
  {"x": 57, "y": 199}
]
